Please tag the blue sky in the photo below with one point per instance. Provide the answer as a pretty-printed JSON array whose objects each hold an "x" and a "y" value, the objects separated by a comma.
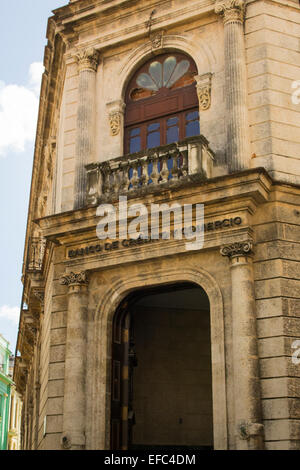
[{"x": 23, "y": 38}]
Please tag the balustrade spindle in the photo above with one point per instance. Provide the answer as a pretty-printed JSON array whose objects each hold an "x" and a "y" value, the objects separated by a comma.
[
  {"x": 164, "y": 171},
  {"x": 144, "y": 171},
  {"x": 115, "y": 179},
  {"x": 135, "y": 177},
  {"x": 185, "y": 165},
  {"x": 124, "y": 179},
  {"x": 175, "y": 166},
  {"x": 155, "y": 174}
]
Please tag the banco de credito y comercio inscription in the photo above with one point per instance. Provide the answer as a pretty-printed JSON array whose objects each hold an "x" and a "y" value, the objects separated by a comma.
[{"x": 116, "y": 244}]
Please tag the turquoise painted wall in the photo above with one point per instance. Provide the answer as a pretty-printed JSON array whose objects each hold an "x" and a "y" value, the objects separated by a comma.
[{"x": 5, "y": 387}]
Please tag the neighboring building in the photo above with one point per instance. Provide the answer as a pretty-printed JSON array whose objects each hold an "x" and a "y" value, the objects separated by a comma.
[
  {"x": 15, "y": 414},
  {"x": 144, "y": 343},
  {"x": 5, "y": 390}
]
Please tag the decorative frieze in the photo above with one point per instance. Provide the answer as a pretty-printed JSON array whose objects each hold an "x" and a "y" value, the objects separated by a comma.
[{"x": 72, "y": 278}]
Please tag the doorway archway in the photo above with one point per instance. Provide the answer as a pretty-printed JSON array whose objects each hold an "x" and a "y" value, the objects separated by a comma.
[
  {"x": 109, "y": 300},
  {"x": 161, "y": 370}
]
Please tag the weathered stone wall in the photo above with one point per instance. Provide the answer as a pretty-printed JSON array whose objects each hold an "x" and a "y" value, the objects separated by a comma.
[
  {"x": 277, "y": 282},
  {"x": 272, "y": 44},
  {"x": 52, "y": 363}
]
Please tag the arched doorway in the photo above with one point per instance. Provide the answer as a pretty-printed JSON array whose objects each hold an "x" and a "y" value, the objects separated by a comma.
[
  {"x": 161, "y": 391},
  {"x": 161, "y": 103}
]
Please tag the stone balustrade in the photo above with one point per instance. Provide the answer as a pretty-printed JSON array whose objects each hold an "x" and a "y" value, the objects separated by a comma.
[{"x": 161, "y": 167}]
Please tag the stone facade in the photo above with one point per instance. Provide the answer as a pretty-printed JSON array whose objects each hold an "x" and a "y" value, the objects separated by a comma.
[{"x": 246, "y": 169}]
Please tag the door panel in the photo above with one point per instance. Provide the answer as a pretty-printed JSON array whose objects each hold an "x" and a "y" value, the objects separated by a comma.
[{"x": 120, "y": 380}]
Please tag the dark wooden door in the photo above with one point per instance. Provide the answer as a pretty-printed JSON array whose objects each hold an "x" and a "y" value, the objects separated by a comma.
[{"x": 123, "y": 362}]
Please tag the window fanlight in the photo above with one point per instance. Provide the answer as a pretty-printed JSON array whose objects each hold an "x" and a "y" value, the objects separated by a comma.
[{"x": 163, "y": 74}]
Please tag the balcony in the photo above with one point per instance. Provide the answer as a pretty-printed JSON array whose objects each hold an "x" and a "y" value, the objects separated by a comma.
[{"x": 165, "y": 167}]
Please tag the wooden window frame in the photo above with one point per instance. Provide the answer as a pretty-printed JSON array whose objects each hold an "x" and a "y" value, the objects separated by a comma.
[{"x": 166, "y": 103}]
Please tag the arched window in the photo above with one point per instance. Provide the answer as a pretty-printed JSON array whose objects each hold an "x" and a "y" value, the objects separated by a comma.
[{"x": 161, "y": 103}]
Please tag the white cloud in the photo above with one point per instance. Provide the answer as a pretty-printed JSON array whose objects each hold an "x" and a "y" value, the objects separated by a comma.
[
  {"x": 36, "y": 70},
  {"x": 10, "y": 313},
  {"x": 18, "y": 111}
]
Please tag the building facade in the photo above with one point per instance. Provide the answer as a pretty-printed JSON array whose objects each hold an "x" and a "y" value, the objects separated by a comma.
[
  {"x": 5, "y": 391},
  {"x": 15, "y": 413},
  {"x": 130, "y": 343}
]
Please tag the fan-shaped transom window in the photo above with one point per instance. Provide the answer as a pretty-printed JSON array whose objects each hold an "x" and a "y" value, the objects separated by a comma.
[{"x": 161, "y": 103}]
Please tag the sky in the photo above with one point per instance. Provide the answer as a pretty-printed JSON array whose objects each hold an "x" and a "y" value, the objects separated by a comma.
[{"x": 23, "y": 26}]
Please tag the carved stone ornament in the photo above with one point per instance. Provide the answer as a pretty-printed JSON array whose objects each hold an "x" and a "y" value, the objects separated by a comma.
[
  {"x": 87, "y": 59},
  {"x": 115, "y": 111},
  {"x": 237, "y": 249},
  {"x": 157, "y": 40},
  {"x": 115, "y": 122},
  {"x": 231, "y": 10},
  {"x": 39, "y": 294},
  {"x": 74, "y": 279},
  {"x": 204, "y": 91}
]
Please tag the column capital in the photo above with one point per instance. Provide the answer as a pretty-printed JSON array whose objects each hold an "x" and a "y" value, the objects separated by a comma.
[
  {"x": 87, "y": 59},
  {"x": 231, "y": 10},
  {"x": 233, "y": 250},
  {"x": 75, "y": 279}
]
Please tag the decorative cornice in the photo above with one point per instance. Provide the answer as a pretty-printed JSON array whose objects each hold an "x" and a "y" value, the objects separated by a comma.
[
  {"x": 231, "y": 10},
  {"x": 87, "y": 59},
  {"x": 237, "y": 249},
  {"x": 72, "y": 279}
]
